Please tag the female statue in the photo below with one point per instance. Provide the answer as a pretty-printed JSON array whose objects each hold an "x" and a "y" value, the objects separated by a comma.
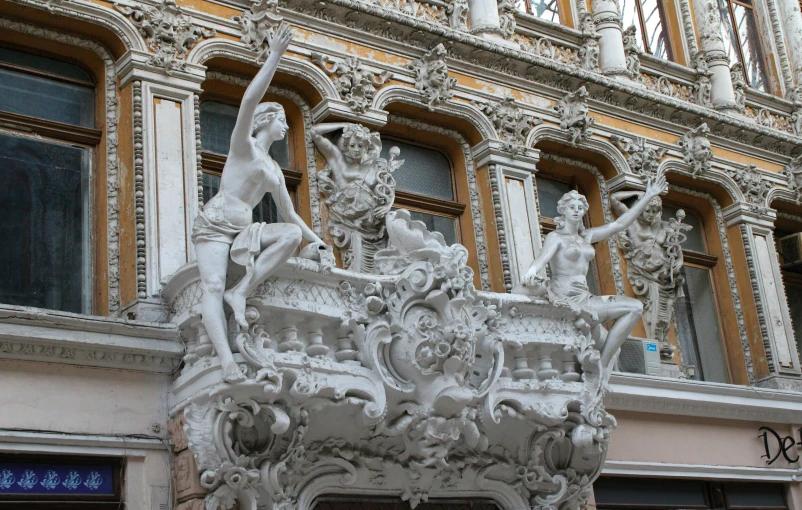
[
  {"x": 568, "y": 251},
  {"x": 225, "y": 227},
  {"x": 652, "y": 247}
]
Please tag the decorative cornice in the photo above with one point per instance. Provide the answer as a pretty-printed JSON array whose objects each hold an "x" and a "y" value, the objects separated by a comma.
[{"x": 58, "y": 337}]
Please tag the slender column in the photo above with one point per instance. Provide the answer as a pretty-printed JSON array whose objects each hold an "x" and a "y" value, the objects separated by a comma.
[
  {"x": 767, "y": 286},
  {"x": 483, "y": 16},
  {"x": 612, "y": 58},
  {"x": 791, "y": 17},
  {"x": 711, "y": 41}
]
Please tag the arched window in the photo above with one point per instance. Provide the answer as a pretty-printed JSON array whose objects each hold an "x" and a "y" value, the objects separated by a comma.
[
  {"x": 45, "y": 159},
  {"x": 548, "y": 10},
  {"x": 217, "y": 123},
  {"x": 650, "y": 20},
  {"x": 549, "y": 191},
  {"x": 696, "y": 315},
  {"x": 425, "y": 186},
  {"x": 742, "y": 40}
]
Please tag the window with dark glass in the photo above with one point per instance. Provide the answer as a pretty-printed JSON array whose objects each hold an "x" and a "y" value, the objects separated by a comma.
[
  {"x": 425, "y": 186},
  {"x": 696, "y": 316},
  {"x": 217, "y": 122},
  {"x": 789, "y": 250},
  {"x": 345, "y": 503},
  {"x": 544, "y": 9},
  {"x": 651, "y": 25},
  {"x": 47, "y": 108},
  {"x": 613, "y": 493},
  {"x": 742, "y": 40},
  {"x": 549, "y": 193}
]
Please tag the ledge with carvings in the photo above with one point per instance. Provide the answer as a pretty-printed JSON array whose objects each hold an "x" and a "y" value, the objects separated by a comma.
[{"x": 408, "y": 382}]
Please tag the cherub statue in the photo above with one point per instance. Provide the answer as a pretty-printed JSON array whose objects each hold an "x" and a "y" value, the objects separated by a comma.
[
  {"x": 225, "y": 228},
  {"x": 653, "y": 248},
  {"x": 568, "y": 252},
  {"x": 359, "y": 190}
]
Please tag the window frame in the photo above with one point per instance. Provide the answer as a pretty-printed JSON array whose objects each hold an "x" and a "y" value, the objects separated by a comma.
[
  {"x": 645, "y": 34},
  {"x": 85, "y": 138},
  {"x": 739, "y": 45},
  {"x": 560, "y": 14}
]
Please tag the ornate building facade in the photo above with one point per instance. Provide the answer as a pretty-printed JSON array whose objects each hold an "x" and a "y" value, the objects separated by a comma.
[{"x": 422, "y": 356}]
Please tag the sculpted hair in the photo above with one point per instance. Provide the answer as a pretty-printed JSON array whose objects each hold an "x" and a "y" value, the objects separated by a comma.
[
  {"x": 570, "y": 197},
  {"x": 361, "y": 133},
  {"x": 264, "y": 113}
]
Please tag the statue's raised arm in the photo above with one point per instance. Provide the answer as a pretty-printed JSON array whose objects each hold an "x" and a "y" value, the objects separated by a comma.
[{"x": 225, "y": 229}]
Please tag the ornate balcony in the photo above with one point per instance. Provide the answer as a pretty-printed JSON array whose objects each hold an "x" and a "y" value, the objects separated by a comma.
[{"x": 408, "y": 383}]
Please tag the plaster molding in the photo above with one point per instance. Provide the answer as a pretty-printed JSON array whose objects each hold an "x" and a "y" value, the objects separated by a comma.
[
  {"x": 573, "y": 112},
  {"x": 685, "y": 397},
  {"x": 431, "y": 77},
  {"x": 31, "y": 334},
  {"x": 111, "y": 158},
  {"x": 701, "y": 471},
  {"x": 512, "y": 123},
  {"x": 355, "y": 83}
]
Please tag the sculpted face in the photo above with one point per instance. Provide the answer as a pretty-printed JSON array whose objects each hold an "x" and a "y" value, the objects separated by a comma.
[
  {"x": 277, "y": 127},
  {"x": 573, "y": 210},
  {"x": 652, "y": 213},
  {"x": 356, "y": 148}
]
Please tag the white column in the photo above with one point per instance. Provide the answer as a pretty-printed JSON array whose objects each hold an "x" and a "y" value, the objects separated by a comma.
[
  {"x": 612, "y": 58},
  {"x": 483, "y": 16},
  {"x": 791, "y": 16},
  {"x": 708, "y": 25}
]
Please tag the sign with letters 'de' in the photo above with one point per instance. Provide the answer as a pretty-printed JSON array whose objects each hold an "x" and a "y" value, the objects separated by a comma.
[{"x": 777, "y": 446}]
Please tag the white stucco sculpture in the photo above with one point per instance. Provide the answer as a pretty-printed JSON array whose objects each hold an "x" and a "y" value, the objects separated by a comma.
[
  {"x": 225, "y": 228},
  {"x": 359, "y": 190},
  {"x": 653, "y": 250},
  {"x": 568, "y": 252}
]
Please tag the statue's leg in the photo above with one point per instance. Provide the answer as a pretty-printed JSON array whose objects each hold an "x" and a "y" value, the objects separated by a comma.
[
  {"x": 625, "y": 311},
  {"x": 213, "y": 264},
  {"x": 279, "y": 241}
]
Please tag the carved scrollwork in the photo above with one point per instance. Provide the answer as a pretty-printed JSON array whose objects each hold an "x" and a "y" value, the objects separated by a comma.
[
  {"x": 642, "y": 159},
  {"x": 168, "y": 31},
  {"x": 257, "y": 24},
  {"x": 754, "y": 187},
  {"x": 632, "y": 51},
  {"x": 511, "y": 122},
  {"x": 793, "y": 172}
]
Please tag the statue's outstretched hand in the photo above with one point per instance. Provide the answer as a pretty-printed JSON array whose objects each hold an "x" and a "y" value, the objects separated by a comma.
[
  {"x": 280, "y": 41},
  {"x": 656, "y": 186}
]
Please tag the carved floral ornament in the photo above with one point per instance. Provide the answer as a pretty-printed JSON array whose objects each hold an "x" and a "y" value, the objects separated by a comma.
[
  {"x": 356, "y": 84},
  {"x": 511, "y": 122},
  {"x": 643, "y": 160},
  {"x": 793, "y": 172},
  {"x": 754, "y": 187},
  {"x": 257, "y": 24},
  {"x": 168, "y": 31},
  {"x": 430, "y": 379},
  {"x": 431, "y": 77},
  {"x": 697, "y": 151}
]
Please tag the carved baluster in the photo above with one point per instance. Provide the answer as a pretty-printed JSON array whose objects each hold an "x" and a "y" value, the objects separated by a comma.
[
  {"x": 569, "y": 373},
  {"x": 546, "y": 370},
  {"x": 346, "y": 352},
  {"x": 316, "y": 347},
  {"x": 204, "y": 347},
  {"x": 289, "y": 340},
  {"x": 522, "y": 370}
]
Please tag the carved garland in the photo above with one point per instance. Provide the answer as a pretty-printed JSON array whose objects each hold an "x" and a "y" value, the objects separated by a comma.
[
  {"x": 615, "y": 260},
  {"x": 725, "y": 247},
  {"x": 112, "y": 161},
  {"x": 473, "y": 190},
  {"x": 498, "y": 218},
  {"x": 198, "y": 148}
]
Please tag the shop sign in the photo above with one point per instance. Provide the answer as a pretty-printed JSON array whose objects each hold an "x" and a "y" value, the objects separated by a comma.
[{"x": 777, "y": 445}]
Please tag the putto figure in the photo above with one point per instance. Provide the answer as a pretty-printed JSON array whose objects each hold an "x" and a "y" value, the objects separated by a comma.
[
  {"x": 653, "y": 248},
  {"x": 568, "y": 252},
  {"x": 359, "y": 189},
  {"x": 225, "y": 228}
]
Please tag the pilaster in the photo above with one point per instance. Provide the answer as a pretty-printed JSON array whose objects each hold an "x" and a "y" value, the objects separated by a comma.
[
  {"x": 756, "y": 228},
  {"x": 512, "y": 181},
  {"x": 711, "y": 42},
  {"x": 167, "y": 179}
]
